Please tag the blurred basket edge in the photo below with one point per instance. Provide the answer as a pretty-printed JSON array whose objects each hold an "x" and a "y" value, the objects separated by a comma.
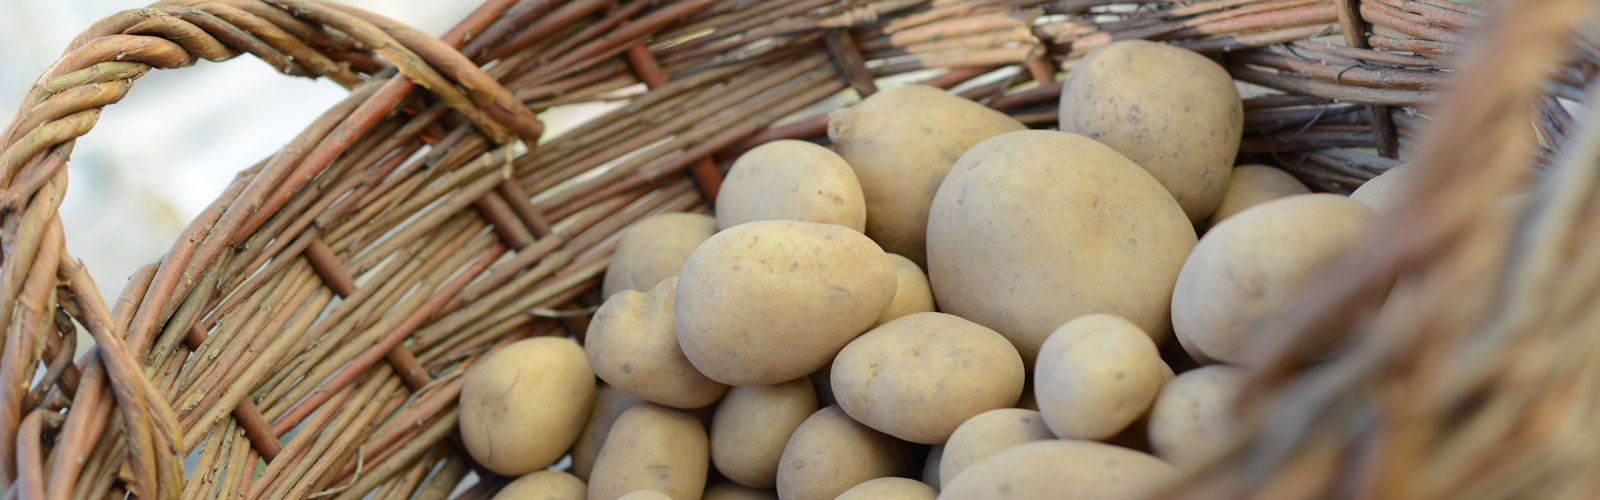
[{"x": 430, "y": 235}]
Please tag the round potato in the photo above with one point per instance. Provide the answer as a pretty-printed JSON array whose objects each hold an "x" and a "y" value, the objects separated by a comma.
[
  {"x": 930, "y": 467},
  {"x": 523, "y": 406},
  {"x": 609, "y": 402},
  {"x": 1193, "y": 417},
  {"x": 1045, "y": 469},
  {"x": 544, "y": 485},
  {"x": 831, "y": 453},
  {"x": 652, "y": 447},
  {"x": 1032, "y": 229},
  {"x": 1170, "y": 110},
  {"x": 1384, "y": 192},
  {"x": 771, "y": 301},
  {"x": 654, "y": 249},
  {"x": 645, "y": 495},
  {"x": 1249, "y": 266},
  {"x": 1252, "y": 185},
  {"x": 1096, "y": 375},
  {"x": 752, "y": 425},
  {"x": 633, "y": 345},
  {"x": 919, "y": 377},
  {"x": 901, "y": 142},
  {"x": 912, "y": 294},
  {"x": 889, "y": 488},
  {"x": 729, "y": 490},
  {"x": 987, "y": 434},
  {"x": 791, "y": 180}
]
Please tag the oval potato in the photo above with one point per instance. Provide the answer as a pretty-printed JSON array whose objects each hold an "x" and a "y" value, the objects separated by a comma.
[
  {"x": 1252, "y": 185},
  {"x": 1097, "y": 374},
  {"x": 524, "y": 405},
  {"x": 1046, "y": 469},
  {"x": 889, "y": 488},
  {"x": 989, "y": 433},
  {"x": 609, "y": 403},
  {"x": 1193, "y": 419},
  {"x": 654, "y": 249},
  {"x": 791, "y": 180},
  {"x": 831, "y": 453},
  {"x": 912, "y": 293},
  {"x": 544, "y": 485},
  {"x": 633, "y": 346},
  {"x": 752, "y": 425},
  {"x": 652, "y": 447}
]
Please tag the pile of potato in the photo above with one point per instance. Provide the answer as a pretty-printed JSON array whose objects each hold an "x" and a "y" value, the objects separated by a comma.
[{"x": 793, "y": 347}]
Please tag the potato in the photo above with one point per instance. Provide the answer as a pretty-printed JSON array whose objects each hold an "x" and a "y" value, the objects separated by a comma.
[
  {"x": 1096, "y": 375},
  {"x": 544, "y": 485},
  {"x": 1252, "y": 185},
  {"x": 728, "y": 490},
  {"x": 912, "y": 294},
  {"x": 1170, "y": 110},
  {"x": 1384, "y": 192},
  {"x": 771, "y": 301},
  {"x": 652, "y": 447},
  {"x": 919, "y": 377},
  {"x": 791, "y": 180},
  {"x": 989, "y": 433},
  {"x": 1248, "y": 267},
  {"x": 890, "y": 488},
  {"x": 645, "y": 495},
  {"x": 523, "y": 405},
  {"x": 930, "y": 467},
  {"x": 752, "y": 425},
  {"x": 1048, "y": 469},
  {"x": 609, "y": 403},
  {"x": 831, "y": 453},
  {"x": 654, "y": 249},
  {"x": 901, "y": 142},
  {"x": 1193, "y": 418},
  {"x": 633, "y": 345},
  {"x": 1032, "y": 229}
]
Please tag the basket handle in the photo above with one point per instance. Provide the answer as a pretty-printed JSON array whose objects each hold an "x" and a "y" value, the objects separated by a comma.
[{"x": 44, "y": 289}]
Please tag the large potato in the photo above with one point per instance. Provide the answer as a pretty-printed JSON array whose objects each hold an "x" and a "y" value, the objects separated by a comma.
[
  {"x": 771, "y": 301},
  {"x": 544, "y": 485},
  {"x": 992, "y": 432},
  {"x": 1049, "y": 469},
  {"x": 1252, "y": 185},
  {"x": 1384, "y": 192},
  {"x": 791, "y": 180},
  {"x": 1096, "y": 375},
  {"x": 1170, "y": 110},
  {"x": 656, "y": 448},
  {"x": 752, "y": 425},
  {"x": 523, "y": 406},
  {"x": 912, "y": 294},
  {"x": 728, "y": 490},
  {"x": 889, "y": 488},
  {"x": 901, "y": 141},
  {"x": 1193, "y": 418},
  {"x": 831, "y": 453},
  {"x": 609, "y": 403},
  {"x": 633, "y": 345},
  {"x": 919, "y": 377},
  {"x": 654, "y": 249},
  {"x": 1032, "y": 229},
  {"x": 1248, "y": 267}
]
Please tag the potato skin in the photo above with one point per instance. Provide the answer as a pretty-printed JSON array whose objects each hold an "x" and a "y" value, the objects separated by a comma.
[
  {"x": 523, "y": 406},
  {"x": 919, "y": 377},
  {"x": 544, "y": 485},
  {"x": 729, "y": 490},
  {"x": 901, "y": 141},
  {"x": 645, "y": 495},
  {"x": 889, "y": 488},
  {"x": 912, "y": 293},
  {"x": 831, "y": 453},
  {"x": 1193, "y": 417},
  {"x": 1170, "y": 110},
  {"x": 752, "y": 425},
  {"x": 1032, "y": 229},
  {"x": 609, "y": 403},
  {"x": 989, "y": 433},
  {"x": 1249, "y": 266},
  {"x": 771, "y": 301},
  {"x": 1096, "y": 375},
  {"x": 633, "y": 345},
  {"x": 1045, "y": 469},
  {"x": 652, "y": 447},
  {"x": 1383, "y": 193},
  {"x": 654, "y": 249},
  {"x": 1252, "y": 185},
  {"x": 791, "y": 180}
]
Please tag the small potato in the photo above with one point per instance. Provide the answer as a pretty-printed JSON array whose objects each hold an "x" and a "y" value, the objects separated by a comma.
[
  {"x": 544, "y": 485},
  {"x": 901, "y": 142},
  {"x": 1193, "y": 417},
  {"x": 1170, "y": 110},
  {"x": 930, "y": 467},
  {"x": 752, "y": 425},
  {"x": 523, "y": 406},
  {"x": 609, "y": 402},
  {"x": 1048, "y": 469},
  {"x": 989, "y": 433},
  {"x": 1096, "y": 375},
  {"x": 919, "y": 377},
  {"x": 771, "y": 301},
  {"x": 912, "y": 295},
  {"x": 889, "y": 488},
  {"x": 1248, "y": 267},
  {"x": 831, "y": 453},
  {"x": 791, "y": 180},
  {"x": 654, "y": 249},
  {"x": 1252, "y": 185},
  {"x": 633, "y": 345},
  {"x": 728, "y": 490},
  {"x": 652, "y": 447},
  {"x": 645, "y": 495},
  {"x": 1384, "y": 192}
]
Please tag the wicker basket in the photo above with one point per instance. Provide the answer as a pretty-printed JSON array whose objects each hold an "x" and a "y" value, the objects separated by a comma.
[{"x": 434, "y": 227}]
